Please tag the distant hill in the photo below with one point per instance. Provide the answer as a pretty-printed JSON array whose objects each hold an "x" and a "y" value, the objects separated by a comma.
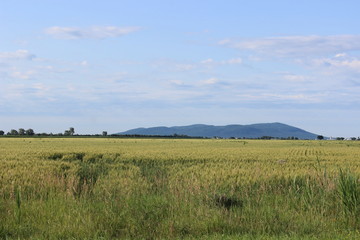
[{"x": 278, "y": 130}]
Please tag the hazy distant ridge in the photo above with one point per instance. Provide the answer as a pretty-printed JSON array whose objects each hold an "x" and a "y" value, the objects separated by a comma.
[{"x": 279, "y": 130}]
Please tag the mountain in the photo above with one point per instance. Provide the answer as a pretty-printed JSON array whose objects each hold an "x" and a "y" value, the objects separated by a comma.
[{"x": 278, "y": 130}]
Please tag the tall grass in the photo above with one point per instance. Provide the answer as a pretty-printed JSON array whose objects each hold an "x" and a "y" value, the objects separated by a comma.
[
  {"x": 137, "y": 191},
  {"x": 17, "y": 194},
  {"x": 349, "y": 193}
]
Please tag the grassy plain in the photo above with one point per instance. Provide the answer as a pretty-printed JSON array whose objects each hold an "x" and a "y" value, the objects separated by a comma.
[{"x": 108, "y": 188}]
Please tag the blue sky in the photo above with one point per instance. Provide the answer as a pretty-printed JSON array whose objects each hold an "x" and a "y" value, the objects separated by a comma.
[{"x": 116, "y": 65}]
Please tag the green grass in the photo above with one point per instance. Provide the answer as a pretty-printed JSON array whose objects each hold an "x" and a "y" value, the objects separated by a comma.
[{"x": 178, "y": 189}]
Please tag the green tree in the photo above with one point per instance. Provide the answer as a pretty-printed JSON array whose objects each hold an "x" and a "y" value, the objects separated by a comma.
[
  {"x": 69, "y": 132},
  {"x": 14, "y": 132},
  {"x": 21, "y": 131},
  {"x": 2, "y": 132},
  {"x": 29, "y": 132},
  {"x": 320, "y": 137},
  {"x": 104, "y": 133}
]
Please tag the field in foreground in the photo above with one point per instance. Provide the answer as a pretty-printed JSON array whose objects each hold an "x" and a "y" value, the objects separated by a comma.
[{"x": 94, "y": 188}]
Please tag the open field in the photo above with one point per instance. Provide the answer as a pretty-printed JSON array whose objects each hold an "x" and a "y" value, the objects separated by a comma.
[{"x": 107, "y": 188}]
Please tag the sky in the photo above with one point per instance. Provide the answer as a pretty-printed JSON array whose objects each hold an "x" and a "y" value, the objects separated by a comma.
[{"x": 114, "y": 65}]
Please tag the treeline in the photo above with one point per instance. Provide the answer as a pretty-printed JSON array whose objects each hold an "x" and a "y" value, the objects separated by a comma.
[
  {"x": 155, "y": 136},
  {"x": 31, "y": 132},
  {"x": 20, "y": 132},
  {"x": 71, "y": 132}
]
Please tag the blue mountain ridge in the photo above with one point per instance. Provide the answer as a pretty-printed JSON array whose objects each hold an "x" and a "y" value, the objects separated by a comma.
[{"x": 278, "y": 130}]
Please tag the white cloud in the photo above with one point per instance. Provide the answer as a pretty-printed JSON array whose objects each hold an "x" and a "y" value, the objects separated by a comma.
[
  {"x": 210, "y": 81},
  {"x": 295, "y": 78},
  {"x": 117, "y": 77},
  {"x": 13, "y": 91},
  {"x": 290, "y": 46},
  {"x": 95, "y": 32},
  {"x": 84, "y": 63},
  {"x": 207, "y": 61},
  {"x": 170, "y": 65},
  {"x": 339, "y": 63},
  {"x": 339, "y": 55},
  {"x": 224, "y": 41},
  {"x": 211, "y": 61},
  {"x": 185, "y": 67},
  {"x": 22, "y": 75},
  {"x": 353, "y": 64},
  {"x": 301, "y": 97},
  {"x": 177, "y": 82},
  {"x": 17, "y": 55},
  {"x": 41, "y": 90},
  {"x": 233, "y": 61}
]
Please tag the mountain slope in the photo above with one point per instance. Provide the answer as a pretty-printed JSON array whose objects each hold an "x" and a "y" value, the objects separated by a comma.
[{"x": 279, "y": 130}]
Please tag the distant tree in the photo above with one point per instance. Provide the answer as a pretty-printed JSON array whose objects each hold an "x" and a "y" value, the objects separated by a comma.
[
  {"x": 320, "y": 137},
  {"x": 21, "y": 131},
  {"x": 293, "y": 138},
  {"x": 29, "y": 132},
  {"x": 353, "y": 138},
  {"x": 2, "y": 132},
  {"x": 14, "y": 132},
  {"x": 67, "y": 133},
  {"x": 72, "y": 131},
  {"x": 104, "y": 133},
  {"x": 340, "y": 138},
  {"x": 266, "y": 137}
]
